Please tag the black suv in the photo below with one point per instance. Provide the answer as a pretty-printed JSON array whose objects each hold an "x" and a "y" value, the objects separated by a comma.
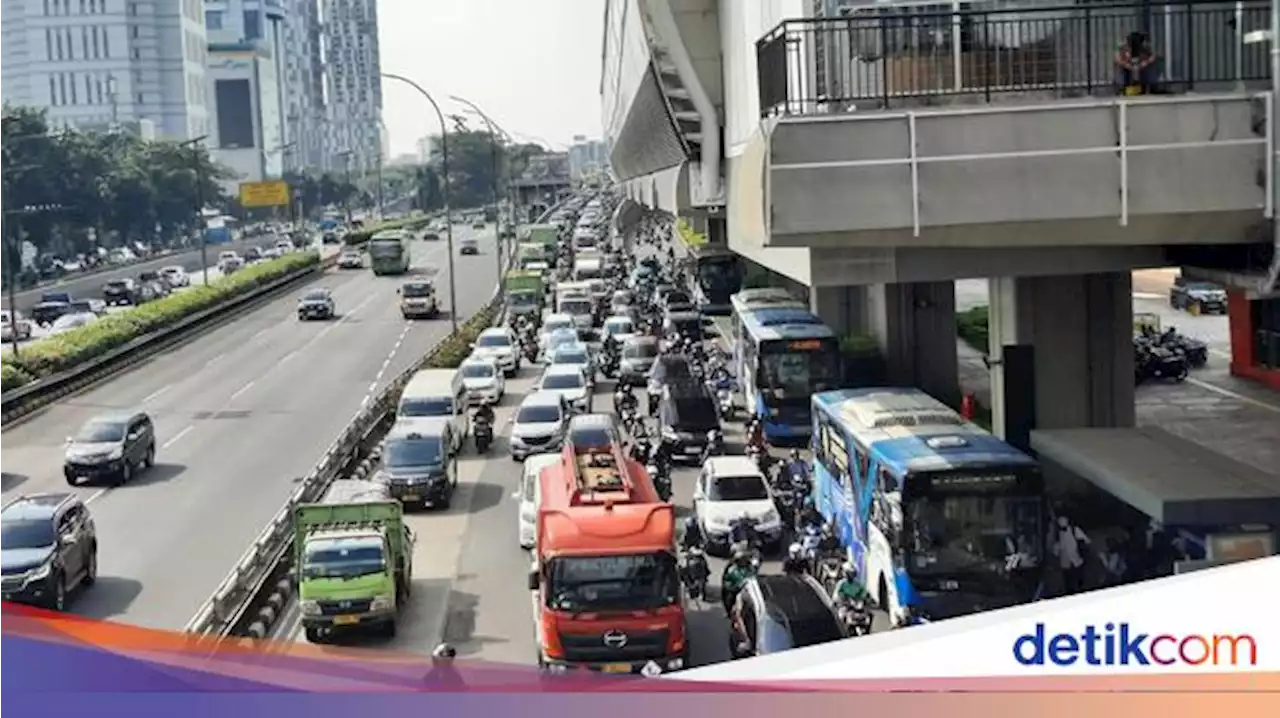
[
  {"x": 50, "y": 547},
  {"x": 111, "y": 447},
  {"x": 777, "y": 613},
  {"x": 686, "y": 414}
]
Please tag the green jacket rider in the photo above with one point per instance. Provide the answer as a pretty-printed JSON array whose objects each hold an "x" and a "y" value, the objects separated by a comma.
[{"x": 849, "y": 588}]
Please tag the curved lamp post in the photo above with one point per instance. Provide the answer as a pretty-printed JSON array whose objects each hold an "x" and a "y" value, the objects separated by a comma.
[
  {"x": 444, "y": 171},
  {"x": 496, "y": 148}
]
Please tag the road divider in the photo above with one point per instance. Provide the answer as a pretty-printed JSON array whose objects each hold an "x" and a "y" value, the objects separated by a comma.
[
  {"x": 51, "y": 368},
  {"x": 362, "y": 237}
]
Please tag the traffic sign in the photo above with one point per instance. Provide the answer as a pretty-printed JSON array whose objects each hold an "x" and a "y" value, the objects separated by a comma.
[{"x": 264, "y": 194}]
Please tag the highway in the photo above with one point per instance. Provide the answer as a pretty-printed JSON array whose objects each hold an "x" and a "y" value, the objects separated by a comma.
[{"x": 240, "y": 412}]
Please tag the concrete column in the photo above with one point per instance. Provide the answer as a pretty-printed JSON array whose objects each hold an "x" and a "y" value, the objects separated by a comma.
[
  {"x": 916, "y": 326},
  {"x": 1081, "y": 329},
  {"x": 844, "y": 309}
]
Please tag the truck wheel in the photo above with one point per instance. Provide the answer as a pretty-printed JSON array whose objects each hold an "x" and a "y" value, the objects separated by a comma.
[{"x": 314, "y": 635}]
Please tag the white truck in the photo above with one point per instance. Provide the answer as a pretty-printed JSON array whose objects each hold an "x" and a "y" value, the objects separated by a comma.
[{"x": 574, "y": 299}]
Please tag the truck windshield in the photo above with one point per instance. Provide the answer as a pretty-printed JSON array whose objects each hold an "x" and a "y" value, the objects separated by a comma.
[
  {"x": 617, "y": 583},
  {"x": 576, "y": 307},
  {"x": 334, "y": 559}
]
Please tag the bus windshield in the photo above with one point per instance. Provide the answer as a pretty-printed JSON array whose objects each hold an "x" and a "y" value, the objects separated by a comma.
[
  {"x": 972, "y": 526},
  {"x": 790, "y": 372},
  {"x": 719, "y": 276},
  {"x": 385, "y": 248},
  {"x": 613, "y": 583}
]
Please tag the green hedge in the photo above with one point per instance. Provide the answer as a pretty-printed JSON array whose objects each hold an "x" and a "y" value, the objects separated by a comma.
[
  {"x": 51, "y": 355},
  {"x": 688, "y": 235},
  {"x": 971, "y": 326},
  {"x": 356, "y": 239},
  {"x": 457, "y": 347}
]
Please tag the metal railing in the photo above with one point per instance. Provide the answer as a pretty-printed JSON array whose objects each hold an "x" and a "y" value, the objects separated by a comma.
[{"x": 912, "y": 54}]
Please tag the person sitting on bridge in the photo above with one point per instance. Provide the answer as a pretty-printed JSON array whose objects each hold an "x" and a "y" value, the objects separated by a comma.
[{"x": 1137, "y": 66}]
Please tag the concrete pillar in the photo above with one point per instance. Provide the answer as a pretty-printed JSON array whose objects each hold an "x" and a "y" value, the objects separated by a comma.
[
  {"x": 717, "y": 230},
  {"x": 844, "y": 309},
  {"x": 915, "y": 325},
  {"x": 1081, "y": 330}
]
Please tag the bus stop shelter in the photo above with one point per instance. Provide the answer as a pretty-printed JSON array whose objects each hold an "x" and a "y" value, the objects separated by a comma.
[{"x": 1168, "y": 478}]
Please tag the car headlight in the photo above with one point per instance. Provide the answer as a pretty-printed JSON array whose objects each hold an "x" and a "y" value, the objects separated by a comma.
[
  {"x": 718, "y": 524},
  {"x": 557, "y": 668},
  {"x": 771, "y": 517},
  {"x": 41, "y": 572},
  {"x": 382, "y": 603},
  {"x": 116, "y": 453},
  {"x": 309, "y": 608}
]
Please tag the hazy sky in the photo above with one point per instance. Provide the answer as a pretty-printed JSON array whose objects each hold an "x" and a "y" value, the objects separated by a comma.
[{"x": 531, "y": 65}]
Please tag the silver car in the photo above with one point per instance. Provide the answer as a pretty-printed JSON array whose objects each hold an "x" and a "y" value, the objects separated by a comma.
[
  {"x": 539, "y": 425},
  {"x": 638, "y": 355}
]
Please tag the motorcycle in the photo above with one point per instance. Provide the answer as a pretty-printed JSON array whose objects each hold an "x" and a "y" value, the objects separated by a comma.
[
  {"x": 714, "y": 447},
  {"x": 661, "y": 481},
  {"x": 729, "y": 595},
  {"x": 655, "y": 395},
  {"x": 531, "y": 352},
  {"x": 724, "y": 402},
  {"x": 856, "y": 617},
  {"x": 483, "y": 430},
  {"x": 786, "y": 503},
  {"x": 1195, "y": 351},
  {"x": 695, "y": 573},
  {"x": 1152, "y": 361},
  {"x": 828, "y": 571}
]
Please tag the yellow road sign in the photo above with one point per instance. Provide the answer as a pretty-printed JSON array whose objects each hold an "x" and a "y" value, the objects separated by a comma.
[{"x": 264, "y": 194}]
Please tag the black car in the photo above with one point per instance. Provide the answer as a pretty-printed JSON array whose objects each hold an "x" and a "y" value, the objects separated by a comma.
[
  {"x": 316, "y": 304},
  {"x": 687, "y": 324},
  {"x": 120, "y": 292},
  {"x": 253, "y": 254},
  {"x": 775, "y": 613},
  {"x": 1197, "y": 297},
  {"x": 419, "y": 464},
  {"x": 677, "y": 301},
  {"x": 669, "y": 369},
  {"x": 50, "y": 547},
  {"x": 686, "y": 414},
  {"x": 111, "y": 447}
]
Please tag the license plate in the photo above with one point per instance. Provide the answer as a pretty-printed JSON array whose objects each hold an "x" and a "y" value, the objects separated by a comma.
[
  {"x": 616, "y": 668},
  {"x": 410, "y": 497},
  {"x": 345, "y": 620}
]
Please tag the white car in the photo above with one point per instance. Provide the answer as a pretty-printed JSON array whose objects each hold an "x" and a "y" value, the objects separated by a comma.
[
  {"x": 15, "y": 326},
  {"x": 557, "y": 339},
  {"x": 530, "y": 496},
  {"x": 498, "y": 344},
  {"x": 226, "y": 255},
  {"x": 620, "y": 328},
  {"x": 570, "y": 384},
  {"x": 176, "y": 277},
  {"x": 575, "y": 354},
  {"x": 539, "y": 425},
  {"x": 729, "y": 488},
  {"x": 67, "y": 322},
  {"x": 283, "y": 248},
  {"x": 483, "y": 380},
  {"x": 550, "y": 323}
]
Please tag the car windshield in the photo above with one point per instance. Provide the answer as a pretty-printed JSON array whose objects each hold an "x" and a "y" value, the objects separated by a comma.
[
  {"x": 336, "y": 560},
  {"x": 737, "y": 488},
  {"x": 101, "y": 431},
  {"x": 640, "y": 350},
  {"x": 576, "y": 307},
  {"x": 552, "y": 325},
  {"x": 118, "y": 284},
  {"x": 619, "y": 326},
  {"x": 413, "y": 452},
  {"x": 315, "y": 296},
  {"x": 629, "y": 582},
  {"x": 477, "y": 370},
  {"x": 677, "y": 298},
  {"x": 27, "y": 534},
  {"x": 571, "y": 356},
  {"x": 493, "y": 340},
  {"x": 562, "y": 381},
  {"x": 426, "y": 407},
  {"x": 541, "y": 414},
  {"x": 414, "y": 291}
]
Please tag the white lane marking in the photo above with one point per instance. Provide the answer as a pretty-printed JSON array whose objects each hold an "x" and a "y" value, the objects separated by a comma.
[
  {"x": 95, "y": 496},
  {"x": 216, "y": 358},
  {"x": 1220, "y": 353},
  {"x": 1234, "y": 395},
  {"x": 155, "y": 394},
  {"x": 261, "y": 333},
  {"x": 243, "y": 389},
  {"x": 174, "y": 439},
  {"x": 287, "y": 357},
  {"x": 386, "y": 364}
]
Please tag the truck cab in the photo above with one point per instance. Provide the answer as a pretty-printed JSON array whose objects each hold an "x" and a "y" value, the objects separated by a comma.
[
  {"x": 605, "y": 576},
  {"x": 353, "y": 560}
]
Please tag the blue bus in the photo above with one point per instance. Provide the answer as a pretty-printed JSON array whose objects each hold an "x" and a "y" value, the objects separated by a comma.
[
  {"x": 941, "y": 518},
  {"x": 783, "y": 354}
]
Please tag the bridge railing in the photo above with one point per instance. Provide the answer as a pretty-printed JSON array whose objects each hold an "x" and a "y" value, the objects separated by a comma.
[{"x": 912, "y": 54}]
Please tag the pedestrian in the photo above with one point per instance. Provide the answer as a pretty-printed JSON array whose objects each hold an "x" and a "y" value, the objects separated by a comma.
[
  {"x": 1069, "y": 543},
  {"x": 1113, "y": 562}
]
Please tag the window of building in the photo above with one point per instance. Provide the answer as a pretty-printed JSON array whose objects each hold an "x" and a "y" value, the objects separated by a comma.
[
  {"x": 71, "y": 80},
  {"x": 137, "y": 54},
  {"x": 88, "y": 90},
  {"x": 140, "y": 98},
  {"x": 82, "y": 9},
  {"x": 133, "y": 31},
  {"x": 106, "y": 44},
  {"x": 48, "y": 44},
  {"x": 84, "y": 42},
  {"x": 46, "y": 8},
  {"x": 101, "y": 94},
  {"x": 213, "y": 19},
  {"x": 133, "y": 8},
  {"x": 53, "y": 91},
  {"x": 252, "y": 25},
  {"x": 62, "y": 88}
]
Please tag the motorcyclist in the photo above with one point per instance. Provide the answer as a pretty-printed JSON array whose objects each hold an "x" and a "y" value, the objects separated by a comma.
[
  {"x": 796, "y": 465},
  {"x": 623, "y": 399},
  {"x": 484, "y": 414},
  {"x": 755, "y": 435},
  {"x": 736, "y": 574},
  {"x": 795, "y": 564},
  {"x": 808, "y": 514},
  {"x": 849, "y": 588},
  {"x": 828, "y": 542},
  {"x": 443, "y": 674},
  {"x": 692, "y": 536}
]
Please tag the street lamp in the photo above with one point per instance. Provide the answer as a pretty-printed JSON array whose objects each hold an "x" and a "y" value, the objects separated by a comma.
[
  {"x": 444, "y": 171},
  {"x": 346, "y": 190},
  {"x": 496, "y": 148},
  {"x": 198, "y": 167},
  {"x": 14, "y": 261}
]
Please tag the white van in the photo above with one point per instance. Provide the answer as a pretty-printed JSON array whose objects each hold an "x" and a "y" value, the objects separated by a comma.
[
  {"x": 585, "y": 270},
  {"x": 441, "y": 393}
]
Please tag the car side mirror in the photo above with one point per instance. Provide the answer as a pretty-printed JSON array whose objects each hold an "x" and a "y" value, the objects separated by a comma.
[
  {"x": 397, "y": 290},
  {"x": 534, "y": 581},
  {"x": 70, "y": 440},
  {"x": 67, "y": 538}
]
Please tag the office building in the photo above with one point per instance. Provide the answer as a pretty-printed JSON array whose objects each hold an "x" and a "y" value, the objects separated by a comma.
[
  {"x": 587, "y": 158},
  {"x": 353, "y": 81},
  {"x": 93, "y": 63},
  {"x": 249, "y": 130}
]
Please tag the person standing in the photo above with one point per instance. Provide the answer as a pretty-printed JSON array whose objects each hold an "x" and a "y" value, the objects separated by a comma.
[{"x": 1069, "y": 545}]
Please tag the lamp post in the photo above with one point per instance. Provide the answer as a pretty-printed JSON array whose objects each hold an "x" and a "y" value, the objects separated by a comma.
[
  {"x": 444, "y": 180},
  {"x": 198, "y": 167},
  {"x": 495, "y": 145},
  {"x": 346, "y": 181}
]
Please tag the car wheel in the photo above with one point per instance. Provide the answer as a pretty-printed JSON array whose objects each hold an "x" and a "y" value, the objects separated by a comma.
[
  {"x": 314, "y": 635},
  {"x": 149, "y": 459},
  {"x": 58, "y": 601},
  {"x": 126, "y": 474},
  {"x": 91, "y": 569}
]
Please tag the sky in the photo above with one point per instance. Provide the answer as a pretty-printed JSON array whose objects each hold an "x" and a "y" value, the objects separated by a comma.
[{"x": 531, "y": 65}]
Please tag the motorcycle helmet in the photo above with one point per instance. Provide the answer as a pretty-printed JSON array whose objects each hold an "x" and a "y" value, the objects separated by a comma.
[
  {"x": 443, "y": 654},
  {"x": 828, "y": 531},
  {"x": 695, "y": 551},
  {"x": 850, "y": 571},
  {"x": 795, "y": 454},
  {"x": 794, "y": 551}
]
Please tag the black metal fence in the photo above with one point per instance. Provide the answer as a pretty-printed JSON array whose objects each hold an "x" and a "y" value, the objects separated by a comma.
[{"x": 911, "y": 54}]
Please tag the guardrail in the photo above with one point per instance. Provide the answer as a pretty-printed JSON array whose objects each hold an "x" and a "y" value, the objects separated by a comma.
[
  {"x": 17, "y": 403},
  {"x": 250, "y": 600}
]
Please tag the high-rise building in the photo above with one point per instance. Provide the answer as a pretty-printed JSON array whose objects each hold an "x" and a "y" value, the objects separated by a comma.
[
  {"x": 95, "y": 63},
  {"x": 587, "y": 157},
  {"x": 353, "y": 80}
]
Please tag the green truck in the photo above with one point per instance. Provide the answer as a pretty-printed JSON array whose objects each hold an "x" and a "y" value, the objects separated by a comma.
[
  {"x": 525, "y": 291},
  {"x": 354, "y": 558},
  {"x": 548, "y": 236}
]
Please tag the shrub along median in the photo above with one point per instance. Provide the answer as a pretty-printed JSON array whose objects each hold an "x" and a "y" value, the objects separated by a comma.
[
  {"x": 457, "y": 347},
  {"x": 362, "y": 237},
  {"x": 50, "y": 355}
]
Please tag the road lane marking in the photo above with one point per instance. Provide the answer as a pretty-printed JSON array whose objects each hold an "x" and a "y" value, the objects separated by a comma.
[
  {"x": 287, "y": 357},
  {"x": 95, "y": 495},
  {"x": 216, "y": 358},
  {"x": 155, "y": 394},
  {"x": 1238, "y": 397},
  {"x": 174, "y": 439},
  {"x": 261, "y": 333},
  {"x": 243, "y": 389}
]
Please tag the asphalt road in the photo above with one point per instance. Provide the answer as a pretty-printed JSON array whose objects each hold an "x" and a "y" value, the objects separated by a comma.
[
  {"x": 89, "y": 286},
  {"x": 240, "y": 413}
]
